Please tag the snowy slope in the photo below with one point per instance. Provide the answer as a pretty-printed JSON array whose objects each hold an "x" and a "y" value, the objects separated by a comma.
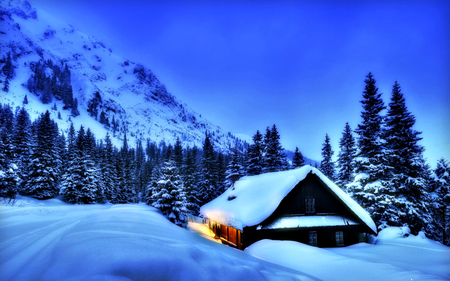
[
  {"x": 129, "y": 91},
  {"x": 52, "y": 240}
]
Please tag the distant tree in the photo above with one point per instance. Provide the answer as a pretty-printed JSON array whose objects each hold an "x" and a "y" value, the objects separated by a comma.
[
  {"x": 25, "y": 100},
  {"x": 327, "y": 164},
  {"x": 207, "y": 184},
  {"x": 235, "y": 170},
  {"x": 75, "y": 111},
  {"x": 178, "y": 154},
  {"x": 346, "y": 157},
  {"x": 274, "y": 157},
  {"x": 139, "y": 168},
  {"x": 255, "y": 155},
  {"x": 190, "y": 179},
  {"x": 298, "y": 160}
]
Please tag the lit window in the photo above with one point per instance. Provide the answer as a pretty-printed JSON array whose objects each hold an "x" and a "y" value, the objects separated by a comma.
[
  {"x": 339, "y": 238},
  {"x": 310, "y": 206},
  {"x": 313, "y": 238}
]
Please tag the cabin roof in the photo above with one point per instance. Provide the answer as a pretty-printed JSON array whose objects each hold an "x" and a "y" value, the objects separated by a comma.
[{"x": 255, "y": 198}]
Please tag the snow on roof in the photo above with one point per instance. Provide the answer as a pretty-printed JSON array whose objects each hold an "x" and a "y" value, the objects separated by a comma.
[
  {"x": 257, "y": 197},
  {"x": 309, "y": 221}
]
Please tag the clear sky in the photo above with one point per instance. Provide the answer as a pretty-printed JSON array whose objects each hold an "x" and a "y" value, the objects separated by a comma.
[{"x": 301, "y": 65}]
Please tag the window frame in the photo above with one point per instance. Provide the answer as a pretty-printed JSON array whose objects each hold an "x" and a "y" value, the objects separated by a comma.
[
  {"x": 312, "y": 238},
  {"x": 340, "y": 238},
  {"x": 310, "y": 205}
]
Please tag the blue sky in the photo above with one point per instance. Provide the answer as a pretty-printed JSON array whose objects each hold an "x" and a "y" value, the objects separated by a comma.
[{"x": 301, "y": 65}]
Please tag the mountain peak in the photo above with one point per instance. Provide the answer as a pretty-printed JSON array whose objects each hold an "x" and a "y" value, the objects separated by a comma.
[{"x": 107, "y": 87}]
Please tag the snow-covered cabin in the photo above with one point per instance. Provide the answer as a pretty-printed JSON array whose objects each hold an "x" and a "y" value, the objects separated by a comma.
[{"x": 301, "y": 205}]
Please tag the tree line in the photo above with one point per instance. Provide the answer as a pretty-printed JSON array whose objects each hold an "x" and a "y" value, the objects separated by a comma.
[
  {"x": 38, "y": 160},
  {"x": 384, "y": 170}
]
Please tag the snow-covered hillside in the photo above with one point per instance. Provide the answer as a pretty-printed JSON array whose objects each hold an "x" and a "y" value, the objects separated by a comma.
[{"x": 102, "y": 82}]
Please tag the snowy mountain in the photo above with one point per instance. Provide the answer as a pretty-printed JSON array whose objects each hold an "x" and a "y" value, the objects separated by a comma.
[{"x": 112, "y": 93}]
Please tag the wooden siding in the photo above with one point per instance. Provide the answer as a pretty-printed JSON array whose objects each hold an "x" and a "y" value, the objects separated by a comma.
[{"x": 294, "y": 204}]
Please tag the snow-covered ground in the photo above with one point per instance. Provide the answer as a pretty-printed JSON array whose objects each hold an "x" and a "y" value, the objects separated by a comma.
[
  {"x": 391, "y": 257},
  {"x": 52, "y": 240}
]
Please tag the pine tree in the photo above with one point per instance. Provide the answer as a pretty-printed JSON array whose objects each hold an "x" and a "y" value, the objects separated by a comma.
[
  {"x": 8, "y": 70},
  {"x": 274, "y": 157},
  {"x": 107, "y": 169},
  {"x": 235, "y": 170},
  {"x": 439, "y": 229},
  {"x": 369, "y": 163},
  {"x": 207, "y": 184},
  {"x": 346, "y": 157},
  {"x": 178, "y": 153},
  {"x": 43, "y": 175},
  {"x": 81, "y": 182},
  {"x": 370, "y": 144},
  {"x": 139, "y": 170},
  {"x": 170, "y": 197},
  {"x": 9, "y": 178},
  {"x": 406, "y": 168},
  {"x": 22, "y": 140},
  {"x": 255, "y": 155},
  {"x": 190, "y": 179},
  {"x": 126, "y": 192},
  {"x": 298, "y": 160},
  {"x": 327, "y": 164}
]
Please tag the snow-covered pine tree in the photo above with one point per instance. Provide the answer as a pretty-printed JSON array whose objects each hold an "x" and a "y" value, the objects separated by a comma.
[
  {"x": 298, "y": 160},
  {"x": 404, "y": 196},
  {"x": 139, "y": 169},
  {"x": 42, "y": 177},
  {"x": 126, "y": 192},
  {"x": 369, "y": 163},
  {"x": 346, "y": 158},
  {"x": 220, "y": 172},
  {"x": 207, "y": 185},
  {"x": 178, "y": 153},
  {"x": 9, "y": 178},
  {"x": 439, "y": 229},
  {"x": 274, "y": 156},
  {"x": 255, "y": 155},
  {"x": 108, "y": 176},
  {"x": 327, "y": 164},
  {"x": 170, "y": 198},
  {"x": 190, "y": 177},
  {"x": 235, "y": 171},
  {"x": 80, "y": 183},
  {"x": 370, "y": 131}
]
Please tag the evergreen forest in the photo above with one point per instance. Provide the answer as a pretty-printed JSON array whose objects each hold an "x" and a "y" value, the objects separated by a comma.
[{"x": 380, "y": 163}]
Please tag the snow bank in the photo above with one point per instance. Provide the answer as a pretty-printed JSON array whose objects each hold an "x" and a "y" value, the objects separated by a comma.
[
  {"x": 52, "y": 240},
  {"x": 396, "y": 261},
  {"x": 257, "y": 197}
]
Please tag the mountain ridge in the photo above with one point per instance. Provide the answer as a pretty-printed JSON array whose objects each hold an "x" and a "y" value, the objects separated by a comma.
[{"x": 104, "y": 84}]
